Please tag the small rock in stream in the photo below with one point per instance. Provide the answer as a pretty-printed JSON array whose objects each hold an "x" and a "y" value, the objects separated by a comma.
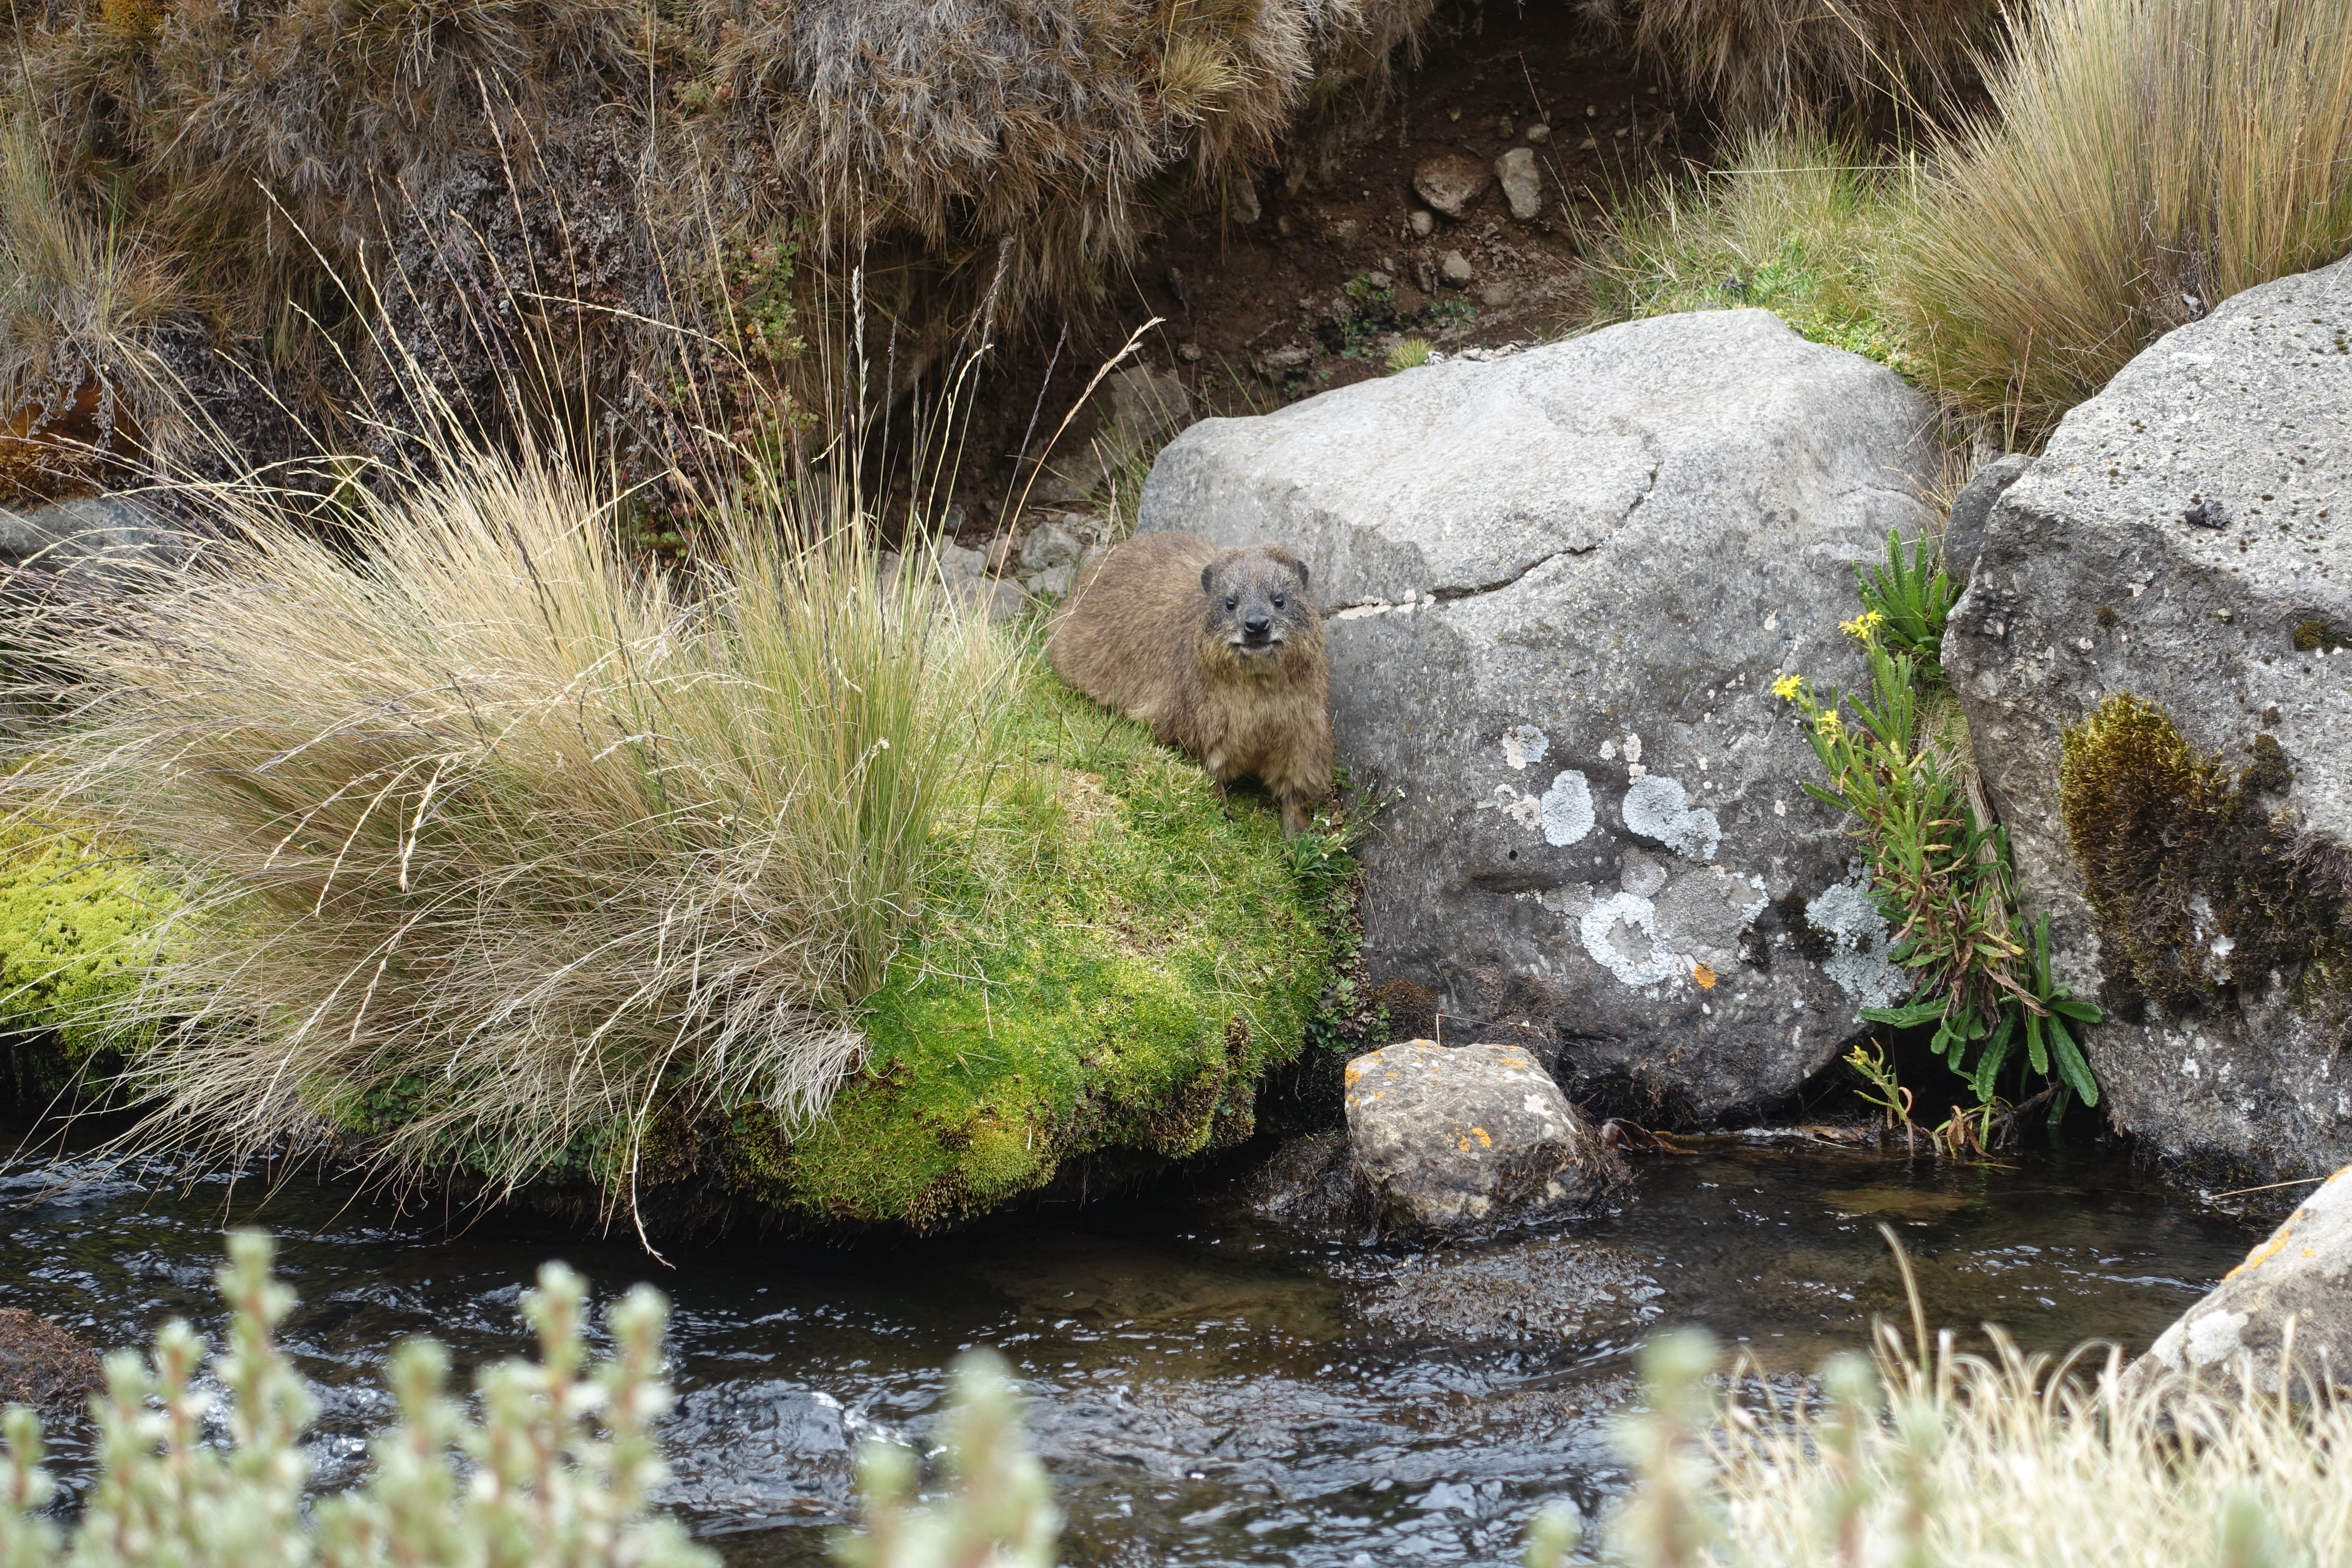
[{"x": 1466, "y": 1137}]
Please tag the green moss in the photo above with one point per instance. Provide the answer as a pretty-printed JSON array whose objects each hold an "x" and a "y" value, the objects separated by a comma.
[
  {"x": 77, "y": 926},
  {"x": 1121, "y": 984},
  {"x": 2318, "y": 636},
  {"x": 2174, "y": 852}
]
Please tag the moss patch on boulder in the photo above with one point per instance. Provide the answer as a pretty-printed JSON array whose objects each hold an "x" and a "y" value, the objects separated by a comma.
[
  {"x": 1114, "y": 966},
  {"x": 2202, "y": 887}
]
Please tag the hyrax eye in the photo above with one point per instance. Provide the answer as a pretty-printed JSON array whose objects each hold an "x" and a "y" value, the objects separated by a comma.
[
  {"x": 1231, "y": 603},
  {"x": 1277, "y": 601}
]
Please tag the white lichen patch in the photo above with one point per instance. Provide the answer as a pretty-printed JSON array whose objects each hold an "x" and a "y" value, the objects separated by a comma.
[
  {"x": 1567, "y": 809},
  {"x": 1846, "y": 914},
  {"x": 1526, "y": 810},
  {"x": 1657, "y": 807},
  {"x": 1523, "y": 745},
  {"x": 1620, "y": 934}
]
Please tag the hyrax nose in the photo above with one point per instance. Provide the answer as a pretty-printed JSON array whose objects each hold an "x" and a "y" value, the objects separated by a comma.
[{"x": 1258, "y": 625}]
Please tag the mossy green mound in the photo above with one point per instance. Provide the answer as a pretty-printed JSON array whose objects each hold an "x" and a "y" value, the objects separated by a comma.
[
  {"x": 1123, "y": 984},
  {"x": 78, "y": 926}
]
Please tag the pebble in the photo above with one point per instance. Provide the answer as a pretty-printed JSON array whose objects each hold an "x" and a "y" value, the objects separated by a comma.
[
  {"x": 1538, "y": 133},
  {"x": 1522, "y": 182},
  {"x": 1450, "y": 182},
  {"x": 1496, "y": 295},
  {"x": 1049, "y": 545},
  {"x": 1191, "y": 354},
  {"x": 1455, "y": 268},
  {"x": 1052, "y": 583},
  {"x": 1421, "y": 223}
]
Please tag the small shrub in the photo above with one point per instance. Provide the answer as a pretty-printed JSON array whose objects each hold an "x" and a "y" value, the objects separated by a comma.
[
  {"x": 2140, "y": 161},
  {"x": 556, "y": 1471}
]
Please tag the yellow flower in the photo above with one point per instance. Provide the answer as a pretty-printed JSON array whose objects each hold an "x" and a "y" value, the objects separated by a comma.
[
  {"x": 1786, "y": 687},
  {"x": 1828, "y": 723},
  {"x": 1864, "y": 626}
]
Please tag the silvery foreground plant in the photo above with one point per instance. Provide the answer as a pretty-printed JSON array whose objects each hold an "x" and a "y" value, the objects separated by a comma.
[
  {"x": 553, "y": 1476},
  {"x": 999, "y": 1511}
]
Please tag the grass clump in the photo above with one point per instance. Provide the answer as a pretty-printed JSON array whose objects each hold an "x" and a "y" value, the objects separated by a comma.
[
  {"x": 80, "y": 387},
  {"x": 1796, "y": 223},
  {"x": 494, "y": 842},
  {"x": 1114, "y": 968},
  {"x": 2202, "y": 890},
  {"x": 1760, "y": 61},
  {"x": 555, "y": 1469},
  {"x": 1923, "y": 1455},
  {"x": 2140, "y": 160}
]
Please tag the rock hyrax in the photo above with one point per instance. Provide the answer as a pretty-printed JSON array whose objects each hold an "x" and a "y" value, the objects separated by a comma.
[{"x": 1220, "y": 651}]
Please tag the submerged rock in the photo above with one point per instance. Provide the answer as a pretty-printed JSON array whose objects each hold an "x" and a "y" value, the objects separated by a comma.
[
  {"x": 43, "y": 1366},
  {"x": 1467, "y": 1137},
  {"x": 2298, "y": 1281},
  {"x": 1544, "y": 1287},
  {"x": 1560, "y": 586},
  {"x": 2152, "y": 657}
]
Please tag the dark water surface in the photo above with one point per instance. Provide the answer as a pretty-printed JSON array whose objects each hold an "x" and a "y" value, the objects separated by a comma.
[{"x": 1205, "y": 1387}]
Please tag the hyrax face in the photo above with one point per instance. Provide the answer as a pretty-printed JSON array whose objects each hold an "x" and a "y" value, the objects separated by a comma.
[{"x": 1258, "y": 599}]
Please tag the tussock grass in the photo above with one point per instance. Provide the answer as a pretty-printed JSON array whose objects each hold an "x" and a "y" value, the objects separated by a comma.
[
  {"x": 1927, "y": 1455},
  {"x": 1797, "y": 222},
  {"x": 79, "y": 301},
  {"x": 2142, "y": 160},
  {"x": 1763, "y": 63},
  {"x": 496, "y": 841}
]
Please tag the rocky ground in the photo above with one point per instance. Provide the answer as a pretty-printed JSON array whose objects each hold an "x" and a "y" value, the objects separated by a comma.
[{"x": 1352, "y": 248}]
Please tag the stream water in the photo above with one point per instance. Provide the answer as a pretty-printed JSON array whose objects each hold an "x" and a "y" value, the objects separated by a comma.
[{"x": 1206, "y": 1387}]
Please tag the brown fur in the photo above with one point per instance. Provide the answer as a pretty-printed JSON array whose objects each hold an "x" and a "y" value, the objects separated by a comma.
[{"x": 1148, "y": 631}]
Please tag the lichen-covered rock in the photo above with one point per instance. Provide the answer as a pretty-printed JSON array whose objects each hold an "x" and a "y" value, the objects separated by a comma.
[
  {"x": 1466, "y": 1137},
  {"x": 2150, "y": 653},
  {"x": 1561, "y": 585},
  {"x": 2238, "y": 1332}
]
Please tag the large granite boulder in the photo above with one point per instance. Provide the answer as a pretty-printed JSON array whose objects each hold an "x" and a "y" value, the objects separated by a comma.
[
  {"x": 1467, "y": 1137},
  {"x": 2177, "y": 567},
  {"x": 2285, "y": 1313},
  {"x": 1559, "y": 586}
]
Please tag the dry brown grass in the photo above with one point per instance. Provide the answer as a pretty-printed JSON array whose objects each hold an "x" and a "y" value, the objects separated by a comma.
[
  {"x": 79, "y": 384},
  {"x": 1763, "y": 63},
  {"x": 966, "y": 149},
  {"x": 2143, "y": 160}
]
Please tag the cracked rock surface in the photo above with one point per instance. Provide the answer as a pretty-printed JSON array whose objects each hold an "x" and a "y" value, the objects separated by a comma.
[
  {"x": 1559, "y": 586},
  {"x": 2186, "y": 538}
]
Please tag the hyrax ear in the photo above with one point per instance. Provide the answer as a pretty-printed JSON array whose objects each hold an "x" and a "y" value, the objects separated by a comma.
[{"x": 1205, "y": 571}]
